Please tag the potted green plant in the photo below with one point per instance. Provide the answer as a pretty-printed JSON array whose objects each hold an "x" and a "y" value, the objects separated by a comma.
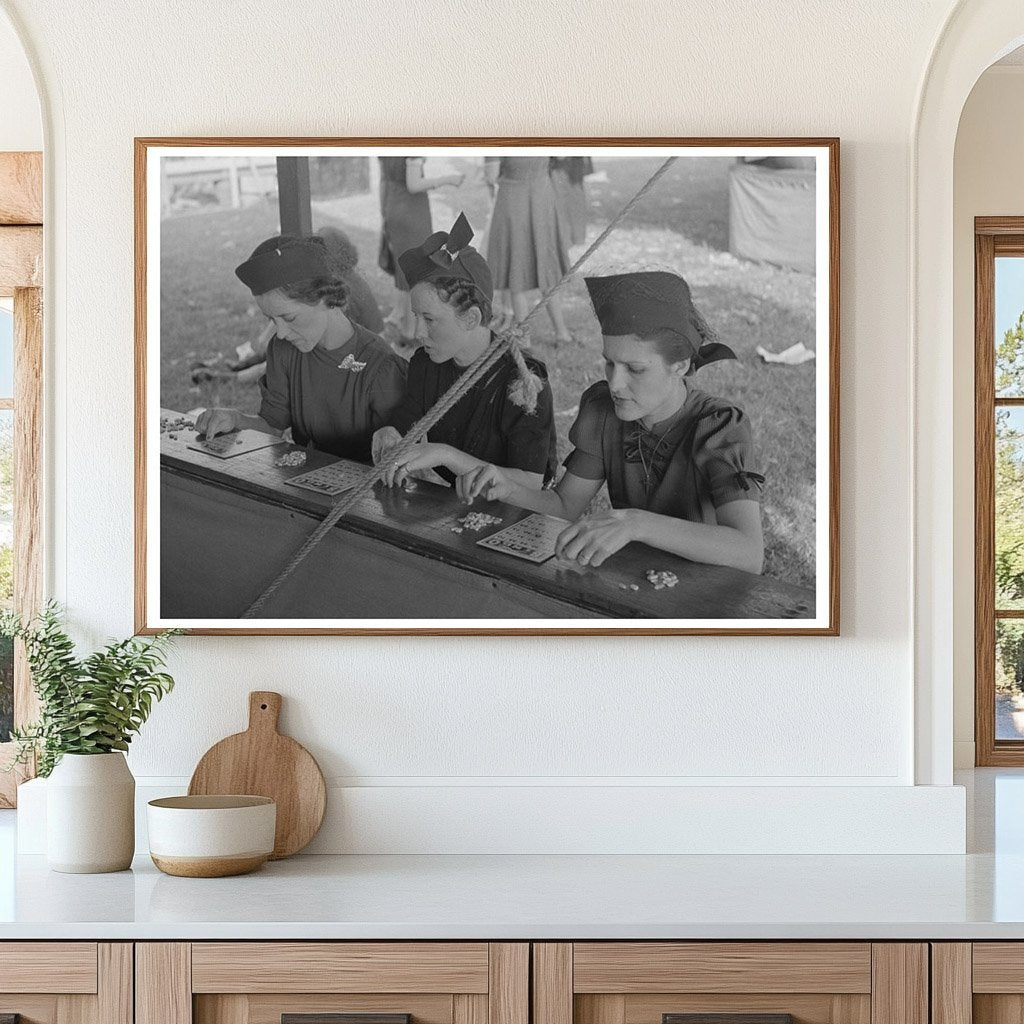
[{"x": 89, "y": 710}]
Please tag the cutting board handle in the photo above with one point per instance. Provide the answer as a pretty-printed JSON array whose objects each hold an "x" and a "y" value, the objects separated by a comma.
[{"x": 264, "y": 710}]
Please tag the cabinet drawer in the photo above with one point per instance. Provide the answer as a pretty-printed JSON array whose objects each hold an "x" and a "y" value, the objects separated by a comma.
[
  {"x": 635, "y": 967},
  {"x": 329, "y": 982},
  {"x": 340, "y": 967},
  {"x": 66, "y": 982},
  {"x": 980, "y": 982},
  {"x": 733, "y": 982},
  {"x": 64, "y": 967}
]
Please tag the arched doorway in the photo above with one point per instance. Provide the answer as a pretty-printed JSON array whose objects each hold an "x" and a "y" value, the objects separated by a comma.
[{"x": 977, "y": 33}]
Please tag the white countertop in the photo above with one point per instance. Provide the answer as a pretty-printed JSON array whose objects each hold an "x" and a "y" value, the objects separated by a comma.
[
  {"x": 976, "y": 896},
  {"x": 517, "y": 897}
]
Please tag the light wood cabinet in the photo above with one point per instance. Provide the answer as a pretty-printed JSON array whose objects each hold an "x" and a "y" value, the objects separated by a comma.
[
  {"x": 512, "y": 982},
  {"x": 260, "y": 982},
  {"x": 978, "y": 982},
  {"x": 66, "y": 982},
  {"x": 648, "y": 982}
]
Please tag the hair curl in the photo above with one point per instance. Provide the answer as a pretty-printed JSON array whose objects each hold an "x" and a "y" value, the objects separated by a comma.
[
  {"x": 331, "y": 290},
  {"x": 463, "y": 295}
]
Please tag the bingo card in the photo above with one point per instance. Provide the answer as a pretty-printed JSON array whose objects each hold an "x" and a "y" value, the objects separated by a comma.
[
  {"x": 532, "y": 538},
  {"x": 333, "y": 479},
  {"x": 238, "y": 442}
]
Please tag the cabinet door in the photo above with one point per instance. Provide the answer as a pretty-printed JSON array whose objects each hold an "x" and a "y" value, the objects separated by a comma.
[
  {"x": 980, "y": 982},
  {"x": 332, "y": 983},
  {"x": 730, "y": 983},
  {"x": 66, "y": 982}
]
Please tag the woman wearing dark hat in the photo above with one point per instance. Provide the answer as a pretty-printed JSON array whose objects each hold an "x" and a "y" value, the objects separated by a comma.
[
  {"x": 405, "y": 217},
  {"x": 507, "y": 417},
  {"x": 678, "y": 462},
  {"x": 329, "y": 379}
]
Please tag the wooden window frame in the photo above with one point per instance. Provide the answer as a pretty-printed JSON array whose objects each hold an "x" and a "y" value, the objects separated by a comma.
[
  {"x": 21, "y": 278},
  {"x": 993, "y": 236}
]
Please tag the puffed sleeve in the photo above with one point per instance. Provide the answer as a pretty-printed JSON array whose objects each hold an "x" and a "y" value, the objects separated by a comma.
[
  {"x": 275, "y": 407},
  {"x": 530, "y": 436},
  {"x": 724, "y": 452},
  {"x": 387, "y": 390},
  {"x": 586, "y": 435},
  {"x": 410, "y": 408}
]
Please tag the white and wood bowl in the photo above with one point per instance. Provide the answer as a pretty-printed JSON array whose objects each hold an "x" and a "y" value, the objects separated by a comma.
[{"x": 211, "y": 836}]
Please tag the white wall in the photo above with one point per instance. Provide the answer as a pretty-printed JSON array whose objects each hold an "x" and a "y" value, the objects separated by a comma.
[
  {"x": 987, "y": 182},
  {"x": 389, "y": 713}
]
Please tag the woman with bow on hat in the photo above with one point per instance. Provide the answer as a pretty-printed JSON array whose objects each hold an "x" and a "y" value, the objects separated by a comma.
[
  {"x": 507, "y": 417},
  {"x": 405, "y": 220},
  {"x": 328, "y": 378},
  {"x": 679, "y": 463}
]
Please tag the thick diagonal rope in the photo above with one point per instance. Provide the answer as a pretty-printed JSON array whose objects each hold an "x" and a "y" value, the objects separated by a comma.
[{"x": 507, "y": 341}]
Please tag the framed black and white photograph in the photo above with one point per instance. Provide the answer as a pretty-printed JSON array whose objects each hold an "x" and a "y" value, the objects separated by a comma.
[{"x": 536, "y": 386}]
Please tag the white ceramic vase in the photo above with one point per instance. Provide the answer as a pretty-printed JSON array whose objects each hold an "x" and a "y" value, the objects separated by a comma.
[{"x": 90, "y": 814}]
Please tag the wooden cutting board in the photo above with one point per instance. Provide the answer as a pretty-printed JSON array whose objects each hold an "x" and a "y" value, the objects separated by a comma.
[{"x": 262, "y": 762}]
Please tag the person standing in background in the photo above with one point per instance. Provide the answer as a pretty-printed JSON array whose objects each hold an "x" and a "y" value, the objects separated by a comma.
[
  {"x": 405, "y": 216},
  {"x": 528, "y": 241},
  {"x": 567, "y": 174}
]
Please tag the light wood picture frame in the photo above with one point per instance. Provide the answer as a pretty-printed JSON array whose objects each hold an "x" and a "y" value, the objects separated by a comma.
[{"x": 217, "y": 538}]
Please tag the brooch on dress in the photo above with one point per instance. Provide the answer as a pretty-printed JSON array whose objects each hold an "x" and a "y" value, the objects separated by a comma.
[{"x": 351, "y": 363}]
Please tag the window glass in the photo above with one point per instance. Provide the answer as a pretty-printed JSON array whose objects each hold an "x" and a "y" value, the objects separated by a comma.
[
  {"x": 1009, "y": 512},
  {"x": 1009, "y": 327},
  {"x": 1009, "y": 679},
  {"x": 6, "y": 352}
]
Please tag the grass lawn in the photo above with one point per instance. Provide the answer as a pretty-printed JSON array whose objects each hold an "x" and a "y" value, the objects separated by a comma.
[{"x": 205, "y": 312}]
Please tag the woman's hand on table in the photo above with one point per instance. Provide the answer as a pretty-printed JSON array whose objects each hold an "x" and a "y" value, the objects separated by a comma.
[
  {"x": 383, "y": 439},
  {"x": 420, "y": 457},
  {"x": 486, "y": 481},
  {"x": 211, "y": 422},
  {"x": 590, "y": 541}
]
